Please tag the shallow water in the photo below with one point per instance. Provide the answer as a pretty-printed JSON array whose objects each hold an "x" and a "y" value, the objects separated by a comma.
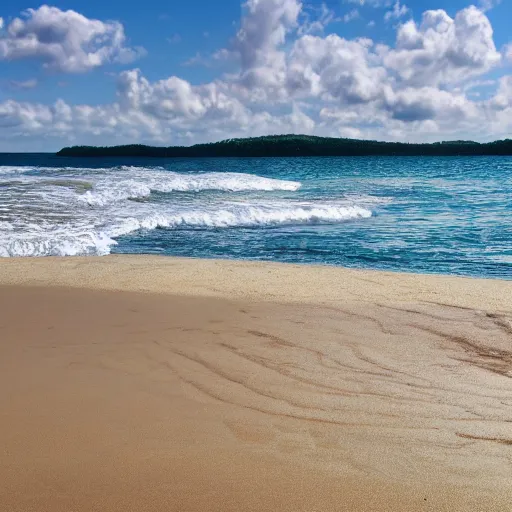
[{"x": 423, "y": 214}]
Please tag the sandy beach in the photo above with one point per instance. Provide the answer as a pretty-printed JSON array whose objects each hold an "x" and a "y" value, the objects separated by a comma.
[{"x": 132, "y": 383}]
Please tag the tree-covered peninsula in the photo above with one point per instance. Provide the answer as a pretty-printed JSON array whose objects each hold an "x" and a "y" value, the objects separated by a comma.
[{"x": 296, "y": 145}]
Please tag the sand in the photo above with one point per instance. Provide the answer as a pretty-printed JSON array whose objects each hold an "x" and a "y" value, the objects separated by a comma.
[{"x": 161, "y": 384}]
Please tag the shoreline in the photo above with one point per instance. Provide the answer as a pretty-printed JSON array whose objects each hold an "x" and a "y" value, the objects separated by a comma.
[
  {"x": 104, "y": 272},
  {"x": 151, "y": 383}
]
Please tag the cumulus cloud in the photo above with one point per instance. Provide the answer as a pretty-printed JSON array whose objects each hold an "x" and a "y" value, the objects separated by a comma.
[
  {"x": 315, "y": 66},
  {"x": 335, "y": 68},
  {"x": 428, "y": 103},
  {"x": 264, "y": 29},
  {"x": 25, "y": 116},
  {"x": 399, "y": 11},
  {"x": 176, "y": 99},
  {"x": 161, "y": 111},
  {"x": 442, "y": 50},
  {"x": 293, "y": 78},
  {"x": 65, "y": 40}
]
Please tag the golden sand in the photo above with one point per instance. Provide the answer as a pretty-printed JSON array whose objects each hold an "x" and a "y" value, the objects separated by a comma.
[{"x": 160, "y": 384}]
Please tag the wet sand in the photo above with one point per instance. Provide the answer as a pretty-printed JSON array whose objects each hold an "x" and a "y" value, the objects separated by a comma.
[{"x": 159, "y": 384}]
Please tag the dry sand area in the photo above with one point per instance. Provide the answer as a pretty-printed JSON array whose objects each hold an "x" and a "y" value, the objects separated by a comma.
[{"x": 160, "y": 384}]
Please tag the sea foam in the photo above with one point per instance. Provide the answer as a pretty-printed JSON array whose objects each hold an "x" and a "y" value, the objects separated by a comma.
[
  {"x": 142, "y": 183},
  {"x": 75, "y": 240},
  {"x": 68, "y": 211}
]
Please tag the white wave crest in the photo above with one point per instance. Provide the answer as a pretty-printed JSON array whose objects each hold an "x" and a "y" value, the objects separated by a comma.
[
  {"x": 6, "y": 226},
  {"x": 56, "y": 244},
  {"x": 240, "y": 215},
  {"x": 141, "y": 185},
  {"x": 80, "y": 240},
  {"x": 81, "y": 211},
  {"x": 6, "y": 170}
]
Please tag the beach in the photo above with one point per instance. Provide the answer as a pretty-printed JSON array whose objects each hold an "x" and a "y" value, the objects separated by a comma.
[{"x": 146, "y": 383}]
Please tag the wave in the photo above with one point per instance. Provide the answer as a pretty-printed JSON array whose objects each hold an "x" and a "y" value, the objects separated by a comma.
[
  {"x": 6, "y": 226},
  {"x": 67, "y": 211},
  {"x": 56, "y": 243},
  {"x": 9, "y": 169},
  {"x": 73, "y": 241},
  {"x": 142, "y": 185},
  {"x": 102, "y": 186},
  {"x": 240, "y": 215}
]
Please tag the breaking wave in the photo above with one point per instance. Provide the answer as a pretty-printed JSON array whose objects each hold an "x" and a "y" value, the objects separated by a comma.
[
  {"x": 69, "y": 240},
  {"x": 141, "y": 185},
  {"x": 68, "y": 212}
]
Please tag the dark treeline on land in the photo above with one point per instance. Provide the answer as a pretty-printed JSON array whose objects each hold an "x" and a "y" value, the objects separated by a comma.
[{"x": 296, "y": 145}]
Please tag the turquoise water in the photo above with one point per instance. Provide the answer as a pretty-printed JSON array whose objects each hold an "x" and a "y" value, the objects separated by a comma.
[{"x": 422, "y": 214}]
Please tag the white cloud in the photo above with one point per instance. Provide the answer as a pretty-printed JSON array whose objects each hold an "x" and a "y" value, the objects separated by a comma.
[
  {"x": 323, "y": 17},
  {"x": 428, "y": 103},
  {"x": 499, "y": 109},
  {"x": 314, "y": 66},
  {"x": 398, "y": 11},
  {"x": 507, "y": 52},
  {"x": 65, "y": 40},
  {"x": 350, "y": 133},
  {"x": 264, "y": 29},
  {"x": 162, "y": 111},
  {"x": 351, "y": 15},
  {"x": 318, "y": 20},
  {"x": 335, "y": 67},
  {"x": 487, "y": 5},
  {"x": 503, "y": 97},
  {"x": 290, "y": 80},
  {"x": 23, "y": 84},
  {"x": 25, "y": 116},
  {"x": 174, "y": 39},
  {"x": 1, "y": 23},
  {"x": 370, "y": 3},
  {"x": 443, "y": 50},
  {"x": 258, "y": 44},
  {"x": 172, "y": 111},
  {"x": 197, "y": 60},
  {"x": 478, "y": 83}
]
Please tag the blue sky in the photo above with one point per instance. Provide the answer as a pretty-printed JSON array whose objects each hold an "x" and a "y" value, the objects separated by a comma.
[{"x": 91, "y": 72}]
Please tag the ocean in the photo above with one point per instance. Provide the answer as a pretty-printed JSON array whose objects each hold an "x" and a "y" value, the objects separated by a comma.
[{"x": 446, "y": 215}]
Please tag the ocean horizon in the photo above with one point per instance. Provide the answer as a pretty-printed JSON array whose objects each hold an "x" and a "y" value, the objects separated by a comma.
[{"x": 443, "y": 215}]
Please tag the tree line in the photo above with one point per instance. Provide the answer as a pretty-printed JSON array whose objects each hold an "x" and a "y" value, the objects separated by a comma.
[{"x": 296, "y": 145}]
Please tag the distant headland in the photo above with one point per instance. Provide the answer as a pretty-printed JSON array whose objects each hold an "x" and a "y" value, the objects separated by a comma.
[{"x": 296, "y": 145}]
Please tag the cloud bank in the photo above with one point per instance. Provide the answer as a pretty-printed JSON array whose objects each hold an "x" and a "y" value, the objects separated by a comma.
[{"x": 292, "y": 76}]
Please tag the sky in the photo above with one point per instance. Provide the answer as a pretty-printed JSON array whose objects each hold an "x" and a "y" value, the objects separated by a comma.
[{"x": 178, "y": 73}]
